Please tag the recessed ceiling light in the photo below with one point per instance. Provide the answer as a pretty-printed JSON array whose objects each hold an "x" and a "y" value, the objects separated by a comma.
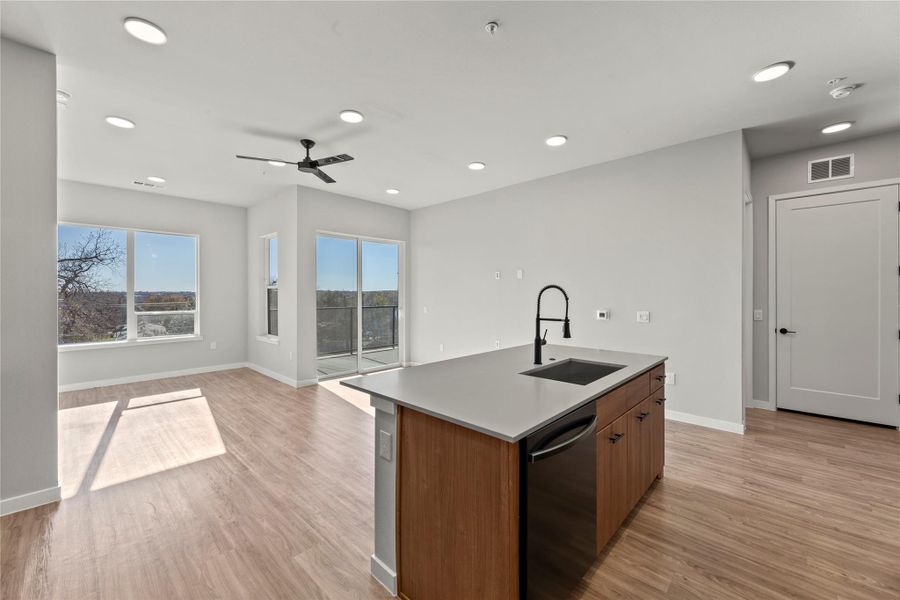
[
  {"x": 145, "y": 31},
  {"x": 351, "y": 116},
  {"x": 476, "y": 166},
  {"x": 156, "y": 179},
  {"x": 556, "y": 140},
  {"x": 392, "y": 191},
  {"x": 773, "y": 71},
  {"x": 835, "y": 127},
  {"x": 276, "y": 163},
  {"x": 120, "y": 122}
]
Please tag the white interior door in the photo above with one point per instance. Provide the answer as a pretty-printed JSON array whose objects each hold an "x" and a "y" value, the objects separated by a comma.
[{"x": 837, "y": 304}]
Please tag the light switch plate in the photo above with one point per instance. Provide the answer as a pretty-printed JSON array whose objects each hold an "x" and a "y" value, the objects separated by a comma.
[
  {"x": 519, "y": 274},
  {"x": 212, "y": 345},
  {"x": 670, "y": 378},
  {"x": 496, "y": 274},
  {"x": 385, "y": 445},
  {"x": 643, "y": 316},
  {"x": 603, "y": 314},
  {"x": 757, "y": 314}
]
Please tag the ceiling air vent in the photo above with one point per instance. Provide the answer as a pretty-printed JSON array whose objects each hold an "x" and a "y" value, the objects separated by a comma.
[
  {"x": 828, "y": 169},
  {"x": 144, "y": 184}
]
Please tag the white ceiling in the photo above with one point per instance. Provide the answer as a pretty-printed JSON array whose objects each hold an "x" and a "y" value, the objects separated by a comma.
[{"x": 438, "y": 92}]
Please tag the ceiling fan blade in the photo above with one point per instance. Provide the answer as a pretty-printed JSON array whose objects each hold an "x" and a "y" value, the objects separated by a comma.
[
  {"x": 331, "y": 160},
  {"x": 287, "y": 162},
  {"x": 323, "y": 176}
]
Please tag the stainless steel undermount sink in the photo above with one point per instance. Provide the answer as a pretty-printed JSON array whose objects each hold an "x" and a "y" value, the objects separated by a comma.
[{"x": 573, "y": 370}]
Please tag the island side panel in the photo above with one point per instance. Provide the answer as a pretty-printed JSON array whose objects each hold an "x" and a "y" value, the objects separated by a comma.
[
  {"x": 383, "y": 564},
  {"x": 457, "y": 511}
]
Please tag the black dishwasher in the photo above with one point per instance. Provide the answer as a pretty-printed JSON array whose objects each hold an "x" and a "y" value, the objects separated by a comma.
[{"x": 558, "y": 504}]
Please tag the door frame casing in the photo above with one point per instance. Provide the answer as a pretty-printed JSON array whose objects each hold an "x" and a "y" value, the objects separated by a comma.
[
  {"x": 772, "y": 266},
  {"x": 401, "y": 295}
]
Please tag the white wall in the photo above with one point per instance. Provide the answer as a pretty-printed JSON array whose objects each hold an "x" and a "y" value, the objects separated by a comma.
[
  {"x": 660, "y": 231},
  {"x": 28, "y": 401},
  {"x": 324, "y": 211},
  {"x": 276, "y": 215},
  {"x": 222, "y": 286},
  {"x": 877, "y": 157}
]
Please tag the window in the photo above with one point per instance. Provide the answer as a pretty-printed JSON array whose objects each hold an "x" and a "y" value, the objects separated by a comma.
[
  {"x": 165, "y": 284},
  {"x": 118, "y": 285},
  {"x": 271, "y": 243},
  {"x": 91, "y": 284}
]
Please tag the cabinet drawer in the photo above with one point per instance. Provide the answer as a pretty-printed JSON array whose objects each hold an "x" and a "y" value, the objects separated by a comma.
[
  {"x": 617, "y": 402},
  {"x": 657, "y": 377}
]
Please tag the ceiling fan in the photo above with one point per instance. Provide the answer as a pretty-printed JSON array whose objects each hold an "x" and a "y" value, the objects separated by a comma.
[{"x": 307, "y": 165}]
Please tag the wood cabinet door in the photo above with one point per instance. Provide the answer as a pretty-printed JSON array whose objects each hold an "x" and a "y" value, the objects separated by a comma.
[
  {"x": 612, "y": 475},
  {"x": 639, "y": 436},
  {"x": 658, "y": 433}
]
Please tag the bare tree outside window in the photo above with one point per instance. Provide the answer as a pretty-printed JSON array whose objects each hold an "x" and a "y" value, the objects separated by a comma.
[{"x": 91, "y": 295}]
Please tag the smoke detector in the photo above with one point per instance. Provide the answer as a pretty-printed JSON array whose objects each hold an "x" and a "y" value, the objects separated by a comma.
[{"x": 843, "y": 91}]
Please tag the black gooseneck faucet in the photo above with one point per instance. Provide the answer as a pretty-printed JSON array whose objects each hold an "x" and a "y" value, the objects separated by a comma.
[{"x": 538, "y": 340}]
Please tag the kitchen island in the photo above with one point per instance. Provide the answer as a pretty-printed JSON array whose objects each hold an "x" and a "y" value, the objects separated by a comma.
[{"x": 475, "y": 455}]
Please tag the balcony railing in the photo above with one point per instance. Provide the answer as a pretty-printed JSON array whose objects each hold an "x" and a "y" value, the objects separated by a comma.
[{"x": 336, "y": 329}]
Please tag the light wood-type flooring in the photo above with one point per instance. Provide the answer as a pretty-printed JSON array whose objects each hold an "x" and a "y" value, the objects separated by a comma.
[{"x": 230, "y": 485}]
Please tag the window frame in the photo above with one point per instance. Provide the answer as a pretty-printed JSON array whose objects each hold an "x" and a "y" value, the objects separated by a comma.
[
  {"x": 131, "y": 315},
  {"x": 267, "y": 336}
]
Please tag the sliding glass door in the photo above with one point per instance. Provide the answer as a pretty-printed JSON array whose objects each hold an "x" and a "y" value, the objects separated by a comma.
[{"x": 358, "y": 305}]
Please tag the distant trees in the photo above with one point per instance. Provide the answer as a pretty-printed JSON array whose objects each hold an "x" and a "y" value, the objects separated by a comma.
[{"x": 88, "y": 311}]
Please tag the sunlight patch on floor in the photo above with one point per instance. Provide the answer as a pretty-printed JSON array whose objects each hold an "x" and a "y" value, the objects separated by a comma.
[
  {"x": 357, "y": 399},
  {"x": 81, "y": 431},
  {"x": 153, "y": 437}
]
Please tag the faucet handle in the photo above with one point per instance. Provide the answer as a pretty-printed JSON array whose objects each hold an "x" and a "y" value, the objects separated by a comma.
[{"x": 544, "y": 339}]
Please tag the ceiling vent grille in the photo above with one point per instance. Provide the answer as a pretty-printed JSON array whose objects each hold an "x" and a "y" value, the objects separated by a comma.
[
  {"x": 828, "y": 169},
  {"x": 144, "y": 184}
]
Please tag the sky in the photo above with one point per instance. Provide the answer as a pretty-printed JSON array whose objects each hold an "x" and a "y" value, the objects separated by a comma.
[
  {"x": 336, "y": 264},
  {"x": 162, "y": 262}
]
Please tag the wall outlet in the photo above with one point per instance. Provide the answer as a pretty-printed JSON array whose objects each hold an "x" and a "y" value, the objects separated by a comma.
[
  {"x": 440, "y": 347},
  {"x": 643, "y": 316},
  {"x": 212, "y": 345},
  {"x": 497, "y": 344},
  {"x": 520, "y": 274},
  {"x": 290, "y": 355},
  {"x": 670, "y": 378},
  {"x": 496, "y": 274},
  {"x": 603, "y": 314},
  {"x": 757, "y": 314},
  {"x": 385, "y": 445}
]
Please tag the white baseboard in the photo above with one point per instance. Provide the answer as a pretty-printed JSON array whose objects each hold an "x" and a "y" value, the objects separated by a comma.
[
  {"x": 297, "y": 383},
  {"x": 86, "y": 385},
  {"x": 763, "y": 404},
  {"x": 272, "y": 374},
  {"x": 30, "y": 500},
  {"x": 705, "y": 422},
  {"x": 383, "y": 575}
]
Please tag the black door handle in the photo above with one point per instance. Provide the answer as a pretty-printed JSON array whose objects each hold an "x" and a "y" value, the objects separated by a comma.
[{"x": 785, "y": 331}]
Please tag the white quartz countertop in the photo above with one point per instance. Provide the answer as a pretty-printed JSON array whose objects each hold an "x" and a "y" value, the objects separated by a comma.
[{"x": 487, "y": 392}]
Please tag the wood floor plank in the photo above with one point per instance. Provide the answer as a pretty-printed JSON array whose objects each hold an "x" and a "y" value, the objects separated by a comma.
[{"x": 799, "y": 507}]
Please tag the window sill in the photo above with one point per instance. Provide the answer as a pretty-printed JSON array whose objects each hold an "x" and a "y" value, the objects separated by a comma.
[
  {"x": 130, "y": 343},
  {"x": 268, "y": 339}
]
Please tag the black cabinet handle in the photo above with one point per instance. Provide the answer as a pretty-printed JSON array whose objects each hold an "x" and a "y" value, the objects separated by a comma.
[
  {"x": 660, "y": 401},
  {"x": 660, "y": 377},
  {"x": 642, "y": 416},
  {"x": 616, "y": 437},
  {"x": 785, "y": 331}
]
